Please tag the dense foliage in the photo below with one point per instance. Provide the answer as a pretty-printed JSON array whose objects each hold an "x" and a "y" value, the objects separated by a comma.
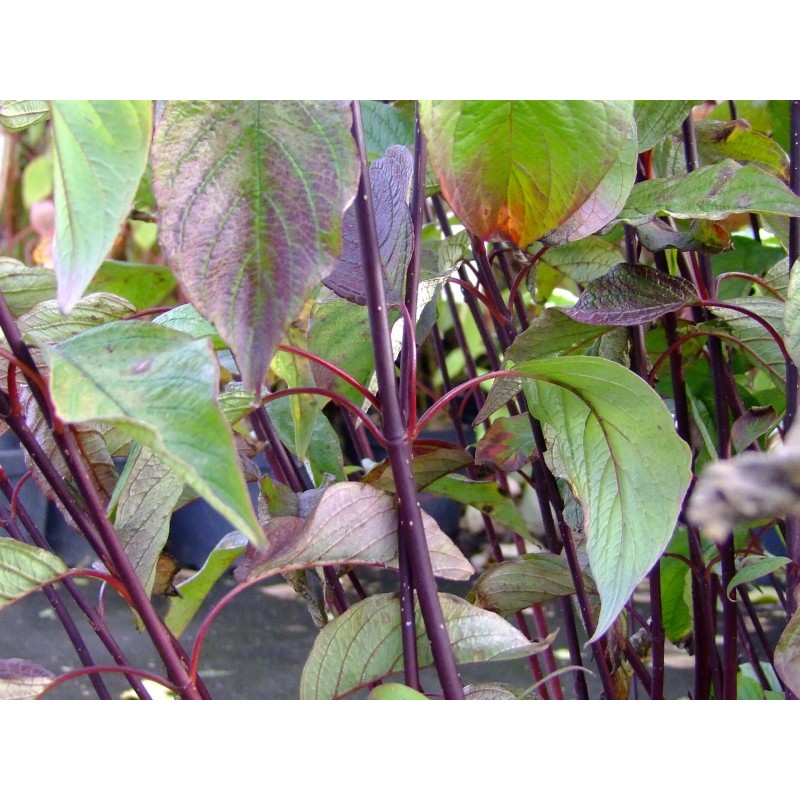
[{"x": 577, "y": 320}]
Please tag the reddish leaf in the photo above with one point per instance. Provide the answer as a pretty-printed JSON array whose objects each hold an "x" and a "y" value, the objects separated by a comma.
[{"x": 508, "y": 444}]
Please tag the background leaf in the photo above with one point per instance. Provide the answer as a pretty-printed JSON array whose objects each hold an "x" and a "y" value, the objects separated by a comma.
[
  {"x": 100, "y": 150},
  {"x": 24, "y": 568},
  {"x": 148, "y": 491},
  {"x": 364, "y": 644},
  {"x": 22, "y": 680},
  {"x": 787, "y": 655},
  {"x": 518, "y": 169},
  {"x": 520, "y": 583},
  {"x": 250, "y": 201},
  {"x": 195, "y": 589},
  {"x": 160, "y": 387}
]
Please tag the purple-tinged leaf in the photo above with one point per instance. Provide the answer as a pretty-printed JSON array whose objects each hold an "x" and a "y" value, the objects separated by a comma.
[
  {"x": 365, "y": 644},
  {"x": 752, "y": 425},
  {"x": 99, "y": 155},
  {"x": 631, "y": 294},
  {"x": 605, "y": 202},
  {"x": 250, "y": 200},
  {"x": 390, "y": 179},
  {"x": 508, "y": 444},
  {"x": 518, "y": 169},
  {"x": 432, "y": 460},
  {"x": 347, "y": 523},
  {"x": 22, "y": 680}
]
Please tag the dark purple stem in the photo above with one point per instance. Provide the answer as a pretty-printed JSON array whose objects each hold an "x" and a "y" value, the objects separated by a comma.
[
  {"x": 397, "y": 444},
  {"x": 793, "y": 524},
  {"x": 718, "y": 373}
]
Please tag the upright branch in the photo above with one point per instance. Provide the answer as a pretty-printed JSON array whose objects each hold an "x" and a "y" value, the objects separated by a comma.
[{"x": 410, "y": 523}]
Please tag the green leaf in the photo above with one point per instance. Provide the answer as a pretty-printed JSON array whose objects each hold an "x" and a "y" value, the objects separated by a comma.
[
  {"x": 16, "y": 115},
  {"x": 37, "y": 180},
  {"x": 395, "y": 691},
  {"x": 508, "y": 444},
  {"x": 717, "y": 140},
  {"x": 146, "y": 495},
  {"x": 755, "y": 567},
  {"x": 194, "y": 590},
  {"x": 186, "y": 319},
  {"x": 160, "y": 386},
  {"x": 551, "y": 334},
  {"x": 605, "y": 202},
  {"x": 631, "y": 294},
  {"x": 625, "y": 463},
  {"x": 791, "y": 317},
  {"x": 787, "y": 655},
  {"x": 583, "y": 261},
  {"x": 339, "y": 332},
  {"x": 23, "y": 287},
  {"x": 250, "y": 202},
  {"x": 486, "y": 496},
  {"x": 676, "y": 591},
  {"x": 520, "y": 583},
  {"x": 386, "y": 125},
  {"x": 144, "y": 285},
  {"x": 518, "y": 169},
  {"x": 100, "y": 151},
  {"x": 22, "y": 680},
  {"x": 711, "y": 193},
  {"x": 45, "y": 324},
  {"x": 295, "y": 371},
  {"x": 24, "y": 568},
  {"x": 364, "y": 644},
  {"x": 656, "y": 118},
  {"x": 346, "y": 523},
  {"x": 324, "y": 452}
]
